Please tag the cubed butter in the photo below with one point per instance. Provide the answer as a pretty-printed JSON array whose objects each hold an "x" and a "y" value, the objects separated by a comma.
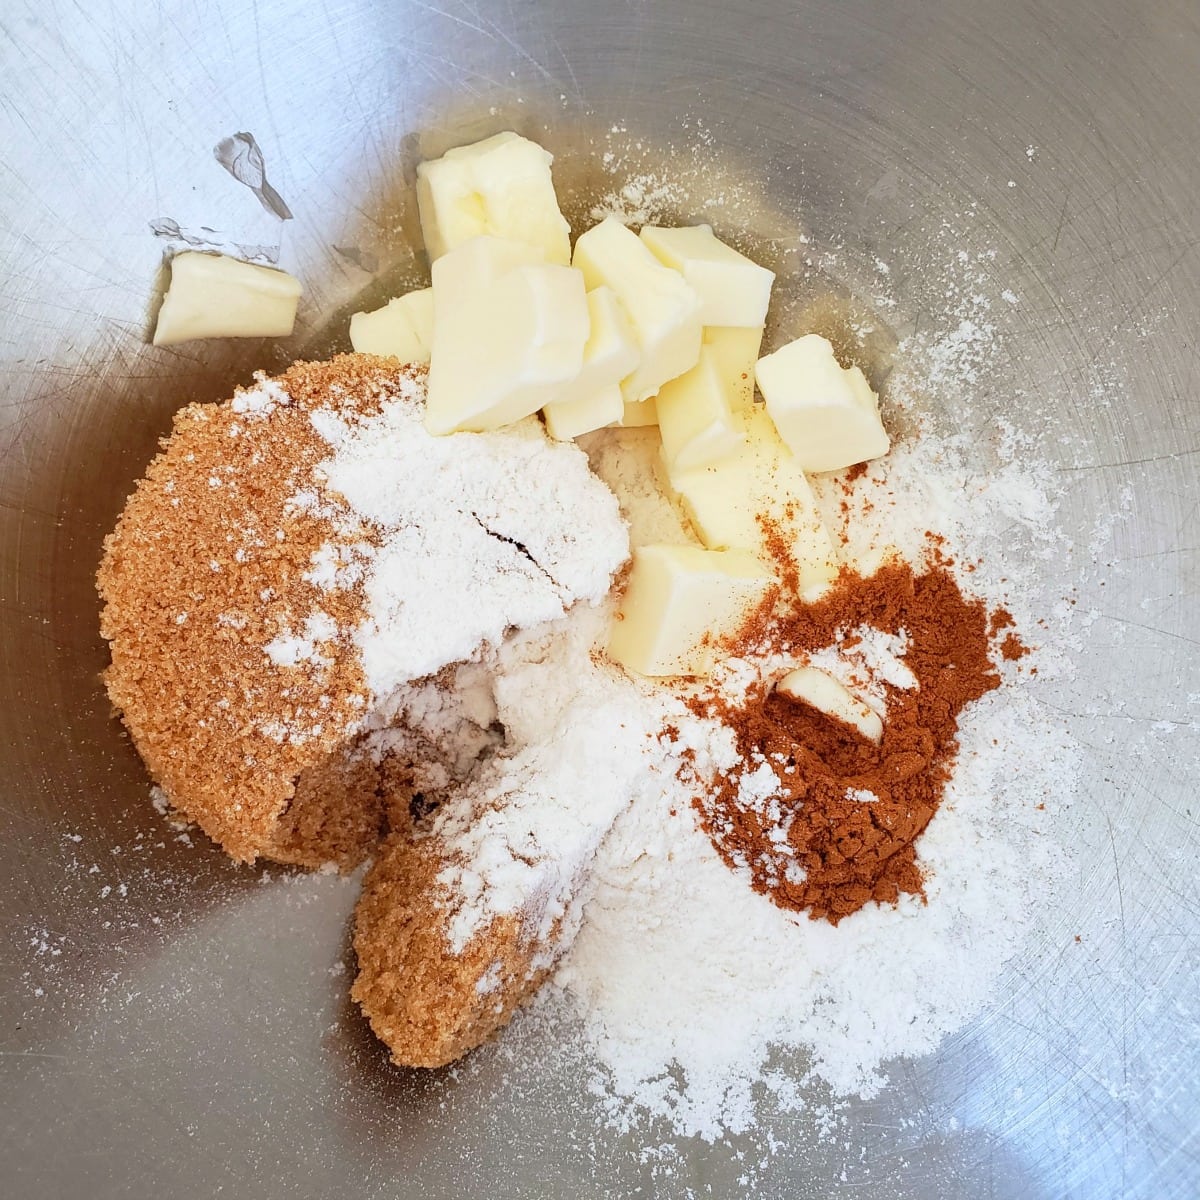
[
  {"x": 477, "y": 262},
  {"x": 639, "y": 413},
  {"x": 504, "y": 342},
  {"x": 594, "y": 411},
  {"x": 828, "y": 416},
  {"x": 500, "y": 186},
  {"x": 696, "y": 418},
  {"x": 403, "y": 328},
  {"x": 213, "y": 295},
  {"x": 759, "y": 500},
  {"x": 830, "y": 696},
  {"x": 662, "y": 308},
  {"x": 683, "y": 607},
  {"x": 735, "y": 351},
  {"x": 593, "y": 399},
  {"x": 733, "y": 289}
]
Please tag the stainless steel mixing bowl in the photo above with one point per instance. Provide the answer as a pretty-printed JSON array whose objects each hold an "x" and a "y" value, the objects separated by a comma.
[{"x": 170, "y": 1025}]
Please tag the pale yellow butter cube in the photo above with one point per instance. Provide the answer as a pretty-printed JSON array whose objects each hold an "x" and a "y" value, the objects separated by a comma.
[
  {"x": 684, "y": 606},
  {"x": 593, "y": 399},
  {"x": 577, "y": 417},
  {"x": 760, "y": 500},
  {"x": 504, "y": 342},
  {"x": 639, "y": 413},
  {"x": 828, "y": 416},
  {"x": 733, "y": 289},
  {"x": 476, "y": 262},
  {"x": 403, "y": 328},
  {"x": 696, "y": 419},
  {"x": 735, "y": 351},
  {"x": 830, "y": 696},
  {"x": 500, "y": 186},
  {"x": 213, "y": 295},
  {"x": 662, "y": 308}
]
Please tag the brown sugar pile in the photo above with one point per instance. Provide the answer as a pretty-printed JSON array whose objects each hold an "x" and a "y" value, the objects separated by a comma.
[
  {"x": 206, "y": 567},
  {"x": 840, "y": 826},
  {"x": 428, "y": 1004},
  {"x": 236, "y": 670}
]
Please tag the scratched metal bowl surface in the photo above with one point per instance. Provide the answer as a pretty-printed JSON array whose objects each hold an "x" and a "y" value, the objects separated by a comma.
[{"x": 172, "y": 1026}]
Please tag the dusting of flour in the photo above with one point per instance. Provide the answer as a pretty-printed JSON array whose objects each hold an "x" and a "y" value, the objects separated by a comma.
[
  {"x": 682, "y": 980},
  {"x": 685, "y": 979},
  {"x": 481, "y": 533}
]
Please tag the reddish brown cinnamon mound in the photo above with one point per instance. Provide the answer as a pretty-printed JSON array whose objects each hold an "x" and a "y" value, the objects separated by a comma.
[
  {"x": 427, "y": 1004},
  {"x": 205, "y": 568},
  {"x": 853, "y": 811}
]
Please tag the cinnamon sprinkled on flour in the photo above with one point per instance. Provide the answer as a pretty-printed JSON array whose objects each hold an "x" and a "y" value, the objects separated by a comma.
[{"x": 824, "y": 820}]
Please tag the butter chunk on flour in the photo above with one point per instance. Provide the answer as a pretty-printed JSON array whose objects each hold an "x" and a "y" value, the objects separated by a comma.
[
  {"x": 683, "y": 604},
  {"x": 828, "y": 415},
  {"x": 810, "y": 685},
  {"x": 696, "y": 417},
  {"x": 759, "y": 499}
]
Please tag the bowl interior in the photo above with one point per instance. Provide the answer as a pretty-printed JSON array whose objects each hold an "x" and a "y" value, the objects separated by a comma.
[{"x": 171, "y": 1021}]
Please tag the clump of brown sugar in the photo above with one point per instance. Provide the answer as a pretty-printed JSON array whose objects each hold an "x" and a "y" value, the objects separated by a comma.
[
  {"x": 427, "y": 1002},
  {"x": 212, "y": 562}
]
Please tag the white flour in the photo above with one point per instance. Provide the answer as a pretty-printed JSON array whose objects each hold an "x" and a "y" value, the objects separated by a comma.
[
  {"x": 641, "y": 200},
  {"x": 528, "y": 825},
  {"x": 563, "y": 806},
  {"x": 685, "y": 980},
  {"x": 480, "y": 533}
]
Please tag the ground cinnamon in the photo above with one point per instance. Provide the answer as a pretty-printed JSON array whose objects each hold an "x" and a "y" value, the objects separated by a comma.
[{"x": 840, "y": 825}]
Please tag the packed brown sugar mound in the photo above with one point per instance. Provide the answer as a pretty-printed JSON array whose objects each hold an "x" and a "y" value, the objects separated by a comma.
[
  {"x": 207, "y": 566},
  {"x": 284, "y": 656},
  {"x": 428, "y": 1004}
]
